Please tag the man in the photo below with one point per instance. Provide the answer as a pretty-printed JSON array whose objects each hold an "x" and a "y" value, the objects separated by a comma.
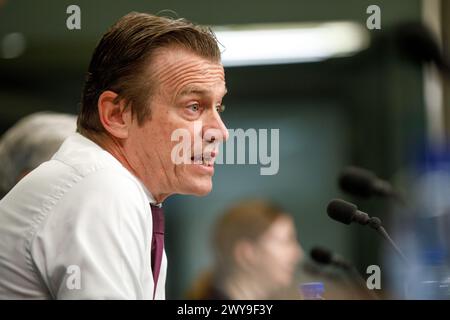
[{"x": 87, "y": 224}]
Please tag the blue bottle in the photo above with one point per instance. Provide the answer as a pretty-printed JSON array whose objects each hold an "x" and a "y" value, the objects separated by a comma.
[{"x": 312, "y": 290}]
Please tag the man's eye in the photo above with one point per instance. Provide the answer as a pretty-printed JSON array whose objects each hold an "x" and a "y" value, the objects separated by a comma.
[
  {"x": 194, "y": 107},
  {"x": 220, "y": 108}
]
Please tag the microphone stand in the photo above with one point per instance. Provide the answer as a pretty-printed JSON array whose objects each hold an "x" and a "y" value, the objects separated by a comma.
[{"x": 375, "y": 223}]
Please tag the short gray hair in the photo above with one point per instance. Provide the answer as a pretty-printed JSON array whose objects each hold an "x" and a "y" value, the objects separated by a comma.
[{"x": 31, "y": 141}]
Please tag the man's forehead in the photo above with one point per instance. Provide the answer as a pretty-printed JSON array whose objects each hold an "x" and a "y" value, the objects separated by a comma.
[
  {"x": 176, "y": 60},
  {"x": 200, "y": 89},
  {"x": 187, "y": 72}
]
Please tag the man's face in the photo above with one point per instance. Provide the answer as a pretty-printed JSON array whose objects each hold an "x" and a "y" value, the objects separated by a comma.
[{"x": 188, "y": 99}]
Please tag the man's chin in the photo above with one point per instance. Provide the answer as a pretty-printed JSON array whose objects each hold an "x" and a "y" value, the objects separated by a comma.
[{"x": 200, "y": 190}]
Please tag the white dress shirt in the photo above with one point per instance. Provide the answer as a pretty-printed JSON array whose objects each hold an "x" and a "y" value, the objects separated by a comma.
[{"x": 78, "y": 227}]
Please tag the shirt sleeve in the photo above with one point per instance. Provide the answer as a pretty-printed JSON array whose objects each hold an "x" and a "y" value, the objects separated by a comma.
[{"x": 95, "y": 243}]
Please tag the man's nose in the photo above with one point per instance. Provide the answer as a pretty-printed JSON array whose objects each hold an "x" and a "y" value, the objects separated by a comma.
[{"x": 214, "y": 129}]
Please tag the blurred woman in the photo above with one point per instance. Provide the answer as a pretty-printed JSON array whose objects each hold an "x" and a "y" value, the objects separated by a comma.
[{"x": 256, "y": 254}]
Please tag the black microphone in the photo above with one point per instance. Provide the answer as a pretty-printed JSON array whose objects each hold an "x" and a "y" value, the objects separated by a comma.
[
  {"x": 326, "y": 257},
  {"x": 364, "y": 183},
  {"x": 417, "y": 41},
  {"x": 346, "y": 212}
]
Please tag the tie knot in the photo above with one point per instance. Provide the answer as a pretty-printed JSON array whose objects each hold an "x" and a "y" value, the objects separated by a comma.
[{"x": 158, "y": 218}]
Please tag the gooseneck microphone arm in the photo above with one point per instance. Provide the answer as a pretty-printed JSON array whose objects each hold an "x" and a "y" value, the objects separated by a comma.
[
  {"x": 346, "y": 212},
  {"x": 380, "y": 229}
]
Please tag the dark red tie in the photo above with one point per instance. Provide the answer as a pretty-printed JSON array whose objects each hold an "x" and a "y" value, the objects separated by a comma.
[{"x": 157, "y": 241}]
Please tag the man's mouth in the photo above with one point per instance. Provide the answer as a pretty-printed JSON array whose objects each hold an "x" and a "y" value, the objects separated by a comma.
[{"x": 203, "y": 160}]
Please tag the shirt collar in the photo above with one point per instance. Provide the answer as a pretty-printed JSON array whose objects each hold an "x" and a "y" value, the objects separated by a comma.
[
  {"x": 87, "y": 141},
  {"x": 150, "y": 197}
]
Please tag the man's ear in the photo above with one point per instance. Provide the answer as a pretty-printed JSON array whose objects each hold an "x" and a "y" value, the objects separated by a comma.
[{"x": 115, "y": 118}]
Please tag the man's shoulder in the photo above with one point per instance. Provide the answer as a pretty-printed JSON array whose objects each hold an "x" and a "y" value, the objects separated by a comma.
[
  {"x": 85, "y": 163},
  {"x": 85, "y": 156},
  {"x": 55, "y": 185},
  {"x": 80, "y": 176},
  {"x": 104, "y": 199},
  {"x": 75, "y": 187},
  {"x": 111, "y": 183}
]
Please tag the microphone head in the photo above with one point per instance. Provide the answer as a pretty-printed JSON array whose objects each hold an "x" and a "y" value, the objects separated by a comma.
[
  {"x": 357, "y": 181},
  {"x": 326, "y": 257},
  {"x": 321, "y": 255},
  {"x": 341, "y": 211},
  {"x": 418, "y": 42}
]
